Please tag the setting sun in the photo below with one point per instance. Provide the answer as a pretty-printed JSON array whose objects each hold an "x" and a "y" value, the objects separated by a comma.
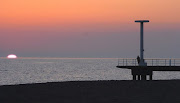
[{"x": 11, "y": 56}]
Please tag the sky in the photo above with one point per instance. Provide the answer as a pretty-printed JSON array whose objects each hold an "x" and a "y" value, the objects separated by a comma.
[{"x": 89, "y": 28}]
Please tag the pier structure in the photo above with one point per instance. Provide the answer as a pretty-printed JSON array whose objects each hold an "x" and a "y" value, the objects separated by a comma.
[
  {"x": 142, "y": 69},
  {"x": 153, "y": 64}
]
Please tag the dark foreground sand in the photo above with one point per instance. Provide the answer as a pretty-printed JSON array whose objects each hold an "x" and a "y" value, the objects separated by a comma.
[{"x": 93, "y": 92}]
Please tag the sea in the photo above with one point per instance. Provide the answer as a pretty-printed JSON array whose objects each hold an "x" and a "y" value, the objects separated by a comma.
[{"x": 41, "y": 70}]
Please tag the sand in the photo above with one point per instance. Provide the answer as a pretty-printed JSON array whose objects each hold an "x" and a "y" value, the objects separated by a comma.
[{"x": 167, "y": 91}]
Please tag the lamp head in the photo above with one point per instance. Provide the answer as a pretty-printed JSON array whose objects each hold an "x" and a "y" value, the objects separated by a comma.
[{"x": 141, "y": 21}]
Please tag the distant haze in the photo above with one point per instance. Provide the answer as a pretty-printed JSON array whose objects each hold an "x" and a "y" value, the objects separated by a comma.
[{"x": 89, "y": 28}]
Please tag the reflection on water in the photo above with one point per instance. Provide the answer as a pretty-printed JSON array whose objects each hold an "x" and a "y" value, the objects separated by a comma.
[{"x": 36, "y": 70}]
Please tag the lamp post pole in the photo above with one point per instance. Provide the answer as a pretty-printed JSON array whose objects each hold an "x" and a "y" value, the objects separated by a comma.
[{"x": 142, "y": 62}]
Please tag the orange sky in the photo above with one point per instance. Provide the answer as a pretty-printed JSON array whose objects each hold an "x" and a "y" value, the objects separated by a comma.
[
  {"x": 86, "y": 27},
  {"x": 52, "y": 12}
]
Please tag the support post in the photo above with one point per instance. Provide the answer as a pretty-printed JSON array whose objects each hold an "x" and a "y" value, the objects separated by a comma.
[
  {"x": 134, "y": 77},
  {"x": 143, "y": 77},
  {"x": 139, "y": 77},
  {"x": 150, "y": 77}
]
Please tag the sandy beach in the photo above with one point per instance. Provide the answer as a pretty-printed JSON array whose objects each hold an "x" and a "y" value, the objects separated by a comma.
[{"x": 93, "y": 92}]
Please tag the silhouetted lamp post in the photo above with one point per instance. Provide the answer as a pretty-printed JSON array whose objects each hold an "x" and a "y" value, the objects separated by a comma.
[{"x": 142, "y": 62}]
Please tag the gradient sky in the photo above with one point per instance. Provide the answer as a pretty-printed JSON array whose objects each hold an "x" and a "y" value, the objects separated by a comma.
[{"x": 89, "y": 28}]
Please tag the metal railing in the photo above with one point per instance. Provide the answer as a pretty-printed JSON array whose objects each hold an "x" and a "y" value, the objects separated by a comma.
[{"x": 150, "y": 62}]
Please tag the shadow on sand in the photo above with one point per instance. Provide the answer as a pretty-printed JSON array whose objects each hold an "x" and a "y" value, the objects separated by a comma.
[{"x": 164, "y": 91}]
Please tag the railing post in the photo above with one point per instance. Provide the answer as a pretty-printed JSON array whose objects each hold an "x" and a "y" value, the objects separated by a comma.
[
  {"x": 169, "y": 62},
  {"x": 152, "y": 62},
  {"x": 156, "y": 63},
  {"x": 123, "y": 61},
  {"x": 118, "y": 61},
  {"x": 133, "y": 62},
  {"x": 174, "y": 62},
  {"x": 165, "y": 62},
  {"x": 126, "y": 62}
]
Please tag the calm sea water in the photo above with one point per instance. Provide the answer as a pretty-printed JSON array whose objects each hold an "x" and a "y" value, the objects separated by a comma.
[{"x": 40, "y": 70}]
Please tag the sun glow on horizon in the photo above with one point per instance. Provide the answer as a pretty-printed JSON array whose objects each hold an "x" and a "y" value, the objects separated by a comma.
[{"x": 11, "y": 56}]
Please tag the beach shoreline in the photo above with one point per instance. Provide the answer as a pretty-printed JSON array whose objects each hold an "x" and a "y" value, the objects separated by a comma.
[{"x": 113, "y": 91}]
